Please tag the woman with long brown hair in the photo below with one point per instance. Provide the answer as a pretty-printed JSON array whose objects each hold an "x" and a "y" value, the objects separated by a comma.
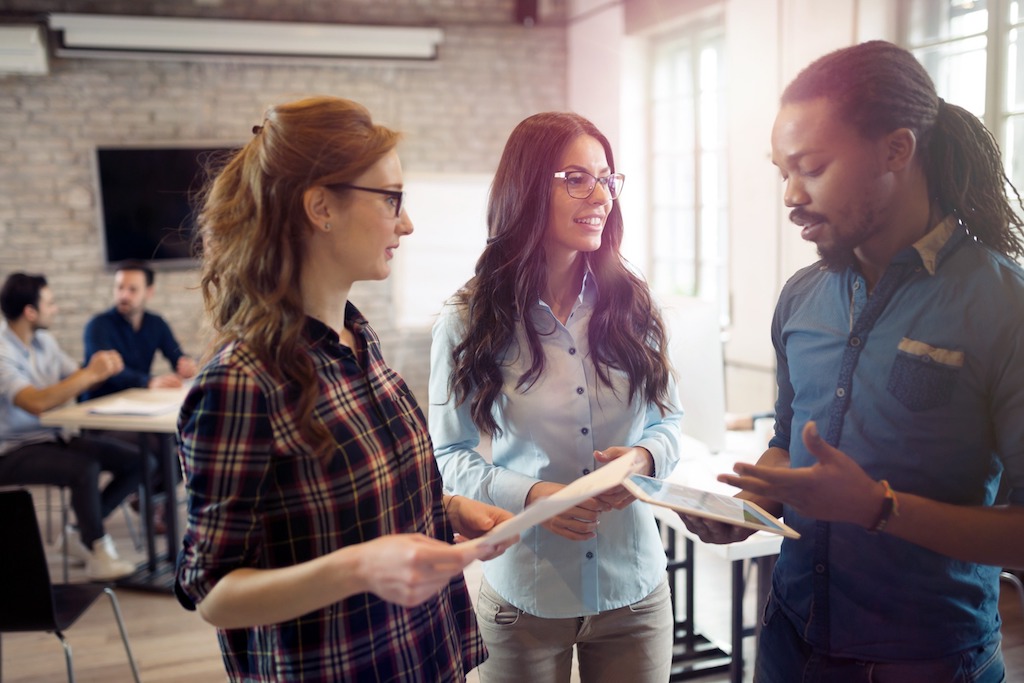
[
  {"x": 318, "y": 538},
  {"x": 555, "y": 351}
]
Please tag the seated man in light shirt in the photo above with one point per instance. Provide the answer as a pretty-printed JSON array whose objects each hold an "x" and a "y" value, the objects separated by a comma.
[{"x": 36, "y": 376}]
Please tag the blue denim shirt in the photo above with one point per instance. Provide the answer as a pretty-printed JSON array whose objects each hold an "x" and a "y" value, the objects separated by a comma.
[
  {"x": 922, "y": 383},
  {"x": 549, "y": 433}
]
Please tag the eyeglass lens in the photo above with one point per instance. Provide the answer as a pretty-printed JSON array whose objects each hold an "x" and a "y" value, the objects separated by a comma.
[{"x": 581, "y": 184}]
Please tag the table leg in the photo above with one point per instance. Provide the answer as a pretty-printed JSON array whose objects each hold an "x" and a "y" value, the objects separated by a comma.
[
  {"x": 158, "y": 572},
  {"x": 738, "y": 589},
  {"x": 146, "y": 509},
  {"x": 693, "y": 655},
  {"x": 169, "y": 463}
]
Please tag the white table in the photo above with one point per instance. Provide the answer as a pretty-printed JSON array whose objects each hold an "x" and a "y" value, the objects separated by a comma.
[
  {"x": 158, "y": 571},
  {"x": 698, "y": 467}
]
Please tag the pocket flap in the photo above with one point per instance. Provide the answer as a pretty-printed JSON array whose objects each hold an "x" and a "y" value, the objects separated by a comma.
[{"x": 954, "y": 359}]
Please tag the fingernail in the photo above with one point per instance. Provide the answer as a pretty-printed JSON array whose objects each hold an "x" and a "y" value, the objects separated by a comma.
[{"x": 813, "y": 429}]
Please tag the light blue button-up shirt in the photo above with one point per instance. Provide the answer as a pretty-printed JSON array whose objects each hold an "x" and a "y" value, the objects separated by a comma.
[
  {"x": 550, "y": 431},
  {"x": 41, "y": 363}
]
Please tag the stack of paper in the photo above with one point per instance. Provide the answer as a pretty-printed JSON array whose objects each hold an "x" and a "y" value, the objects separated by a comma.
[{"x": 127, "y": 406}]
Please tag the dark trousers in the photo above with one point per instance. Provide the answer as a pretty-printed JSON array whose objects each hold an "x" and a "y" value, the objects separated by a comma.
[
  {"x": 153, "y": 445},
  {"x": 784, "y": 657},
  {"x": 76, "y": 464}
]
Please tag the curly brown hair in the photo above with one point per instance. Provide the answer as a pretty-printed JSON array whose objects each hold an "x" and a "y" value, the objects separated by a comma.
[{"x": 252, "y": 226}]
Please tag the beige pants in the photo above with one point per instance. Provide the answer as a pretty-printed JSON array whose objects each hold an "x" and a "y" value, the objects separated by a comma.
[{"x": 632, "y": 643}]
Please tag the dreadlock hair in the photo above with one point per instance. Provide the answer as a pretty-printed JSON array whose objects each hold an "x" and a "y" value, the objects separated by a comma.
[
  {"x": 625, "y": 332},
  {"x": 252, "y": 230},
  {"x": 879, "y": 87}
]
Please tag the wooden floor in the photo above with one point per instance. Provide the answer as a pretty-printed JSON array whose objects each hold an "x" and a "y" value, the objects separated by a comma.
[{"x": 171, "y": 644}]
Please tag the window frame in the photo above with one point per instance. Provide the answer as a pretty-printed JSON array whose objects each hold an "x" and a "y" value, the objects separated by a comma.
[{"x": 692, "y": 37}]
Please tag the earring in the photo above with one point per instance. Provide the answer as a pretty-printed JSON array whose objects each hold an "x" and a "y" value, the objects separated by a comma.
[{"x": 327, "y": 227}]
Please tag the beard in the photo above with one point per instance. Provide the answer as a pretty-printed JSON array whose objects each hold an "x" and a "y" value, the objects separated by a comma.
[
  {"x": 836, "y": 257},
  {"x": 840, "y": 254}
]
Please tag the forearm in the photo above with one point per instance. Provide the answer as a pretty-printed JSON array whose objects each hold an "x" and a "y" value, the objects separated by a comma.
[
  {"x": 251, "y": 597},
  {"x": 986, "y": 535},
  {"x": 38, "y": 400}
]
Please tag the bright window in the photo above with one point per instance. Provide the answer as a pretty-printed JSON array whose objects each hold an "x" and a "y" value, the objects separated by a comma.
[
  {"x": 688, "y": 201},
  {"x": 973, "y": 51}
]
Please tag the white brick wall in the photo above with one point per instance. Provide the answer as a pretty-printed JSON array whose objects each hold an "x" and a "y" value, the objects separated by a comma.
[{"x": 456, "y": 113}]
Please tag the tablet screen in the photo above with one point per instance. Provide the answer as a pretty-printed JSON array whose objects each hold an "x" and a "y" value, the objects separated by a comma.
[{"x": 702, "y": 503}]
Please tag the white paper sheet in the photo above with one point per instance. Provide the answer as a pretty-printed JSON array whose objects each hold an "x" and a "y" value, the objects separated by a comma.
[
  {"x": 597, "y": 482},
  {"x": 127, "y": 406}
]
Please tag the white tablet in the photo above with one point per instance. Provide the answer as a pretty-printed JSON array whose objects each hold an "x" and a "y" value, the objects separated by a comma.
[{"x": 716, "y": 506}]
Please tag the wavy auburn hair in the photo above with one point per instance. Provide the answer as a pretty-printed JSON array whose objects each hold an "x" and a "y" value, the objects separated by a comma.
[
  {"x": 626, "y": 331},
  {"x": 879, "y": 87},
  {"x": 253, "y": 225}
]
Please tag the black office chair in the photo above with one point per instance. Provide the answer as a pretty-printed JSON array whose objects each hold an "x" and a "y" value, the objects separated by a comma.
[{"x": 28, "y": 599}]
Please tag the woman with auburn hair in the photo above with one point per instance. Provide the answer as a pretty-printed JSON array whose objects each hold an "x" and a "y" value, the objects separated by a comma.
[
  {"x": 318, "y": 538},
  {"x": 555, "y": 351}
]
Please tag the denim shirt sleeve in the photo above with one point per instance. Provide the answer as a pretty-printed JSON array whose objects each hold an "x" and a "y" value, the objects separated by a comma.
[{"x": 456, "y": 439}]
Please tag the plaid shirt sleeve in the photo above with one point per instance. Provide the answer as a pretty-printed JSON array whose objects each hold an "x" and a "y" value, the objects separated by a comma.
[{"x": 226, "y": 444}]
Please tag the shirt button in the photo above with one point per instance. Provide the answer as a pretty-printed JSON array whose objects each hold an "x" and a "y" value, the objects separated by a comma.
[
  {"x": 590, "y": 555},
  {"x": 572, "y": 351},
  {"x": 584, "y": 431},
  {"x": 840, "y": 392},
  {"x": 586, "y": 471},
  {"x": 855, "y": 341},
  {"x": 579, "y": 390},
  {"x": 819, "y": 569}
]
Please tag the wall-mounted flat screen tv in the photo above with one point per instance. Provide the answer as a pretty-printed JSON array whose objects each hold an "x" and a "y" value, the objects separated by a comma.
[{"x": 147, "y": 200}]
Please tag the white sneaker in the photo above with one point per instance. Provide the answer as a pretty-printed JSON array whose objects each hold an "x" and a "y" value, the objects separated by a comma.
[
  {"x": 78, "y": 554},
  {"x": 104, "y": 564}
]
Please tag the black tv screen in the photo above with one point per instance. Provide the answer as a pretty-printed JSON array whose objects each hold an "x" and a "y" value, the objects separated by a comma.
[{"x": 146, "y": 201}]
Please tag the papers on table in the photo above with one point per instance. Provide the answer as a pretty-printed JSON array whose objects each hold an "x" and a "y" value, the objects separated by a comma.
[
  {"x": 597, "y": 482},
  {"x": 128, "y": 406}
]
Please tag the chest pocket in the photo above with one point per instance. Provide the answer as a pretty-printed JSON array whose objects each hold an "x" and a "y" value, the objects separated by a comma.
[{"x": 923, "y": 377}]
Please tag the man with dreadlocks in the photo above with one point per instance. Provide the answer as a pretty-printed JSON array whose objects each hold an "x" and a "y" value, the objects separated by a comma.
[{"x": 900, "y": 384}]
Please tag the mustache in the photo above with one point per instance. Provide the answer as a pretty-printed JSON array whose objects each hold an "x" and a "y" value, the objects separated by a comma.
[{"x": 802, "y": 217}]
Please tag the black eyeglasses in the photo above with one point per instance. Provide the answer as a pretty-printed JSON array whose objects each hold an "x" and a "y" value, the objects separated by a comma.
[
  {"x": 394, "y": 196},
  {"x": 580, "y": 184}
]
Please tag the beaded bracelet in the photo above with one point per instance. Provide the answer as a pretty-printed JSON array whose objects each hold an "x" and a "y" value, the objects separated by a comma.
[{"x": 890, "y": 509}]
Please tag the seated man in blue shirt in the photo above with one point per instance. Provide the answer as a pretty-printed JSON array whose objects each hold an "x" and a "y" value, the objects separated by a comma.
[
  {"x": 136, "y": 334},
  {"x": 35, "y": 376},
  {"x": 900, "y": 372}
]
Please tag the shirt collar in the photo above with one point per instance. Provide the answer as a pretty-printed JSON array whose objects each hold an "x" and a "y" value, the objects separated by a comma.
[
  {"x": 588, "y": 290},
  {"x": 6, "y": 331},
  {"x": 930, "y": 247},
  {"x": 317, "y": 330}
]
